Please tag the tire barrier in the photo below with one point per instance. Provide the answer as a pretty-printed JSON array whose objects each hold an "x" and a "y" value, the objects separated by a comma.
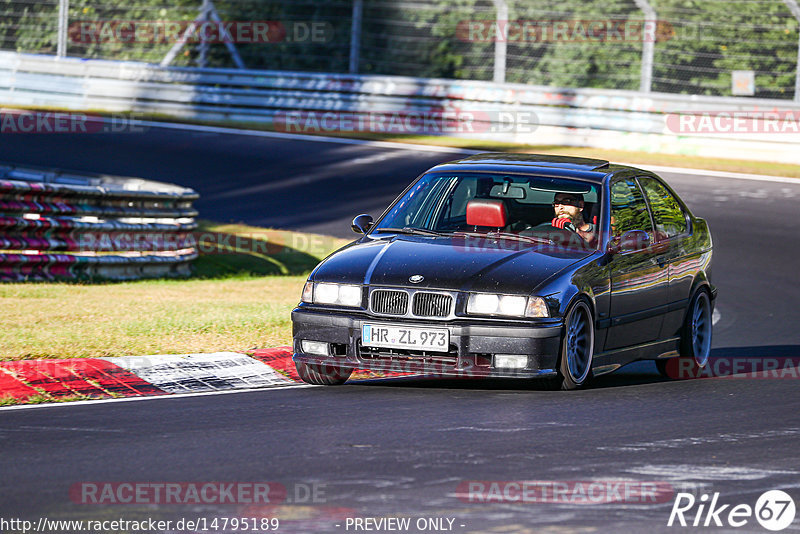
[
  {"x": 62, "y": 226},
  {"x": 299, "y": 102}
]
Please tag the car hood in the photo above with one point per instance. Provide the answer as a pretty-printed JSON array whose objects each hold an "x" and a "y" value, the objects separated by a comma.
[{"x": 449, "y": 263}]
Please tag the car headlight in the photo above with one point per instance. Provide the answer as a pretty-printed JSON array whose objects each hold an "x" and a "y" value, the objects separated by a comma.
[
  {"x": 510, "y": 305},
  {"x": 327, "y": 293}
]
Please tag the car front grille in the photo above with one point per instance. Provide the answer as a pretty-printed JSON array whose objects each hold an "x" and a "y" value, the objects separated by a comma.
[
  {"x": 390, "y": 302},
  {"x": 399, "y": 356},
  {"x": 432, "y": 304}
]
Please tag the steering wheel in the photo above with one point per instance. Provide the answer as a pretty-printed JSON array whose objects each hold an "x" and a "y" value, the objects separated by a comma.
[{"x": 551, "y": 231}]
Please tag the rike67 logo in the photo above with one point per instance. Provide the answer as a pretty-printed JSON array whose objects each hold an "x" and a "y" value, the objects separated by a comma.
[{"x": 774, "y": 510}]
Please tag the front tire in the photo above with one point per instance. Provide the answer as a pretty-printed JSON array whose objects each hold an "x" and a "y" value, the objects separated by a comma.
[
  {"x": 322, "y": 375},
  {"x": 577, "y": 347}
]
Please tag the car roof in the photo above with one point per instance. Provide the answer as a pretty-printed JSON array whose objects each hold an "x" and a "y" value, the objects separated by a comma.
[{"x": 594, "y": 170}]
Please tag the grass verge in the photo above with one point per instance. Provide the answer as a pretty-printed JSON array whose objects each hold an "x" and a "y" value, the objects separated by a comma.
[{"x": 239, "y": 300}]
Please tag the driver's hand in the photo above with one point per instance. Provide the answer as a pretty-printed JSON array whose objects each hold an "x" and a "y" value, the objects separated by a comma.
[{"x": 564, "y": 224}]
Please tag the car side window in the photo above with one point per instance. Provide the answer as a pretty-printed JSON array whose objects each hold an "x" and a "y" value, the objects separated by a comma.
[
  {"x": 669, "y": 217},
  {"x": 628, "y": 208}
]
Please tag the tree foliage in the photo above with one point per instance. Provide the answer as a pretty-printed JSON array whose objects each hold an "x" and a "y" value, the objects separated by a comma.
[{"x": 700, "y": 42}]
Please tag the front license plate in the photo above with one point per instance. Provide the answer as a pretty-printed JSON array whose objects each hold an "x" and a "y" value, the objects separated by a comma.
[{"x": 405, "y": 337}]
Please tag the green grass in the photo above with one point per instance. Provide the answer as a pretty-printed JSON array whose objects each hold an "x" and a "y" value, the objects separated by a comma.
[
  {"x": 241, "y": 250},
  {"x": 238, "y": 301}
]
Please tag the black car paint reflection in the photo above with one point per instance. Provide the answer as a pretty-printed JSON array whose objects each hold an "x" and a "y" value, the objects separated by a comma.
[{"x": 642, "y": 292}]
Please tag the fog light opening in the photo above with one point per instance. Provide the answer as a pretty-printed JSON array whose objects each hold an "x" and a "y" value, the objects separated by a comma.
[
  {"x": 319, "y": 348},
  {"x": 510, "y": 361}
]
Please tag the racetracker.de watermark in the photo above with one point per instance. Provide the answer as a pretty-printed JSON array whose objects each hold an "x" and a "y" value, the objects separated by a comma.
[
  {"x": 734, "y": 122},
  {"x": 564, "y": 31},
  {"x": 13, "y": 121},
  {"x": 206, "y": 492},
  {"x": 407, "y": 122},
  {"x": 192, "y": 32},
  {"x": 204, "y": 242},
  {"x": 778, "y": 367},
  {"x": 565, "y": 491}
]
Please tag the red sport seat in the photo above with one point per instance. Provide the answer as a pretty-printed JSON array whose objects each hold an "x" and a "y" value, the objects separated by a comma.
[{"x": 486, "y": 212}]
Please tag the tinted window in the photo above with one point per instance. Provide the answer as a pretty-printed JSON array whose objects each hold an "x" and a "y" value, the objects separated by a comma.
[
  {"x": 628, "y": 209},
  {"x": 667, "y": 212}
]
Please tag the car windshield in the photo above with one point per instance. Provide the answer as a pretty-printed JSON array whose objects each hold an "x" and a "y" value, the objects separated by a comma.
[{"x": 437, "y": 204}]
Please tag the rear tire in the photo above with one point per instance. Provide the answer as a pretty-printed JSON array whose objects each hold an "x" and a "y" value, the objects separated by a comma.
[
  {"x": 322, "y": 375},
  {"x": 577, "y": 348},
  {"x": 695, "y": 343}
]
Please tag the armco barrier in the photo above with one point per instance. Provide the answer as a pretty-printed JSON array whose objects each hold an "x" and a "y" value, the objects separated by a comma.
[
  {"x": 56, "y": 225},
  {"x": 538, "y": 115}
]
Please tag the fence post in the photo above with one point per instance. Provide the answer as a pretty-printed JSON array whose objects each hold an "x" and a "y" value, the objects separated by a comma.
[
  {"x": 207, "y": 12},
  {"x": 63, "y": 20},
  {"x": 795, "y": 9},
  {"x": 202, "y": 48},
  {"x": 355, "y": 35},
  {"x": 648, "y": 46},
  {"x": 500, "y": 45}
]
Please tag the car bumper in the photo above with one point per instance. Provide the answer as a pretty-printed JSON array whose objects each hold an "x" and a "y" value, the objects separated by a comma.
[{"x": 473, "y": 346}]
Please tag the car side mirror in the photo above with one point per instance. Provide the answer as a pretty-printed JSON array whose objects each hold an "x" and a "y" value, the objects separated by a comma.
[{"x": 362, "y": 223}]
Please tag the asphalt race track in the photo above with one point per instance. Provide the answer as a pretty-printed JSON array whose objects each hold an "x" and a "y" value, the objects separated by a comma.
[{"x": 405, "y": 448}]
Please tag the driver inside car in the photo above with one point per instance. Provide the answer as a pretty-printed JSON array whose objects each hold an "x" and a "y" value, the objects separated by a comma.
[{"x": 568, "y": 210}]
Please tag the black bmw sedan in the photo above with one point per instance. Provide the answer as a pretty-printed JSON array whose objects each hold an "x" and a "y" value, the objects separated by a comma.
[{"x": 514, "y": 265}]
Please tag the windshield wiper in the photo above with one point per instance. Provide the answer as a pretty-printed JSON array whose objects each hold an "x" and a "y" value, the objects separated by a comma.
[
  {"x": 410, "y": 230},
  {"x": 518, "y": 237}
]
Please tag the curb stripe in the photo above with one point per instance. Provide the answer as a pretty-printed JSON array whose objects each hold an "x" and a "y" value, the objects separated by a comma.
[
  {"x": 125, "y": 377},
  {"x": 115, "y": 379},
  {"x": 10, "y": 387},
  {"x": 81, "y": 376},
  {"x": 280, "y": 359},
  {"x": 32, "y": 373}
]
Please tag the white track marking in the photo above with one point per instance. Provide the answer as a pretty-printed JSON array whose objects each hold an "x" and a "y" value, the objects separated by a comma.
[
  {"x": 303, "y": 137},
  {"x": 433, "y": 148},
  {"x": 683, "y": 443},
  {"x": 182, "y": 373},
  {"x": 700, "y": 472},
  {"x": 149, "y": 398},
  {"x": 716, "y": 316}
]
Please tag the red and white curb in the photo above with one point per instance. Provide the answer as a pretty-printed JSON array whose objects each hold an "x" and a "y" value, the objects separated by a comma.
[
  {"x": 138, "y": 376},
  {"x": 42, "y": 381}
]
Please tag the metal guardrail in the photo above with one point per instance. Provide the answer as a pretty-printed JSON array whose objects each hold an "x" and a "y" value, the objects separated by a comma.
[
  {"x": 538, "y": 115},
  {"x": 56, "y": 225}
]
